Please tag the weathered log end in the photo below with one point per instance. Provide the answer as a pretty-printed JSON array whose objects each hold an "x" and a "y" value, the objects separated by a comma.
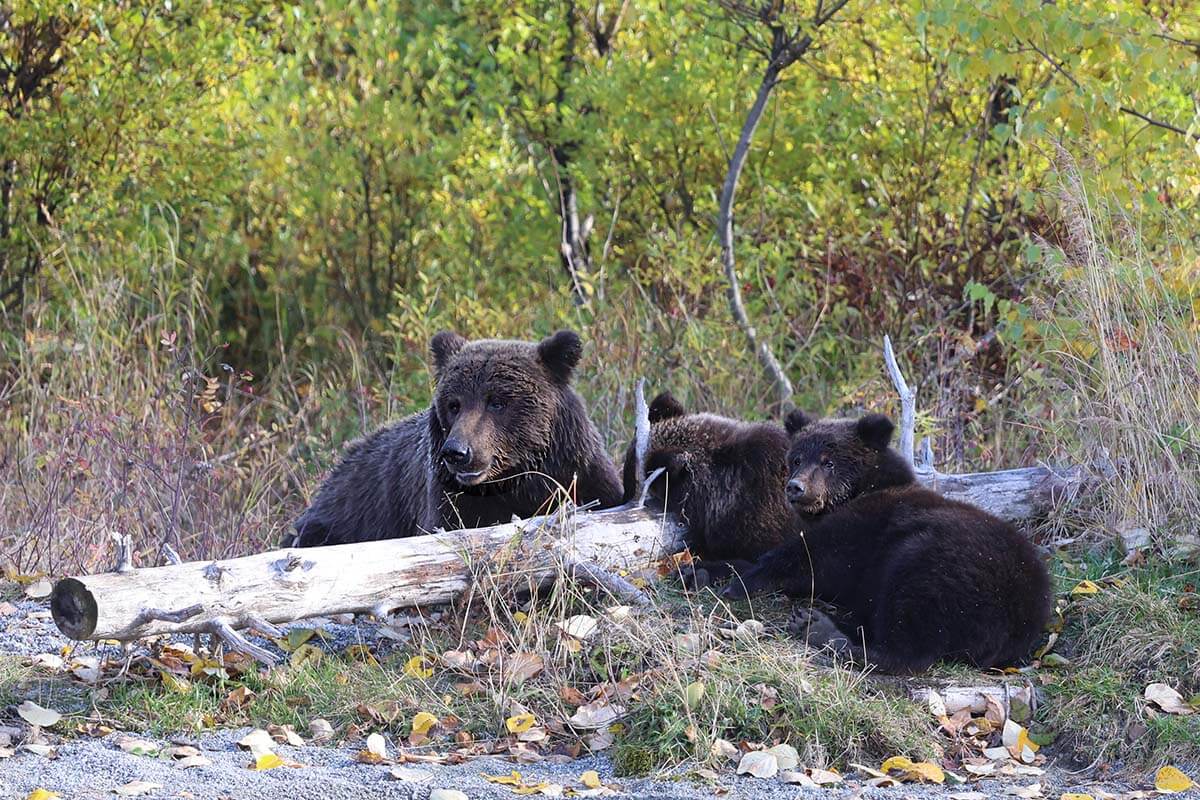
[{"x": 74, "y": 608}]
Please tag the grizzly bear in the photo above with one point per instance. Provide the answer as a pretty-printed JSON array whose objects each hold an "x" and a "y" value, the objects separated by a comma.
[
  {"x": 914, "y": 576},
  {"x": 723, "y": 477},
  {"x": 504, "y": 431}
]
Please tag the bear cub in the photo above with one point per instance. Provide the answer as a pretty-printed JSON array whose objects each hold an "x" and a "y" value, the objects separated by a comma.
[
  {"x": 504, "y": 431},
  {"x": 723, "y": 478},
  {"x": 914, "y": 576}
]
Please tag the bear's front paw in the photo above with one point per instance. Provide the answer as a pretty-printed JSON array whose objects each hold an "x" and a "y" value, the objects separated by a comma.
[
  {"x": 816, "y": 628},
  {"x": 694, "y": 577}
]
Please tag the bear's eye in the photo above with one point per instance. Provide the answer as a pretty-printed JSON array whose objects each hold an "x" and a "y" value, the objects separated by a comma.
[
  {"x": 453, "y": 406},
  {"x": 496, "y": 404},
  {"x": 827, "y": 465}
]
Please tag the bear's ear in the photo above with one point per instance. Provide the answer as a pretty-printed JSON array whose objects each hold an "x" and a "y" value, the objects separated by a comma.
[
  {"x": 795, "y": 421},
  {"x": 560, "y": 353},
  {"x": 443, "y": 346},
  {"x": 665, "y": 406},
  {"x": 875, "y": 430}
]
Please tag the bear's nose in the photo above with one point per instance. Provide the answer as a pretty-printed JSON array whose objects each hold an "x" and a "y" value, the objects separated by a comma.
[
  {"x": 795, "y": 489},
  {"x": 456, "y": 453}
]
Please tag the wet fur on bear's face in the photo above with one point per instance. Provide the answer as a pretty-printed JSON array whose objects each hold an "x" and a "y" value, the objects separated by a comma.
[
  {"x": 496, "y": 402},
  {"x": 831, "y": 461}
]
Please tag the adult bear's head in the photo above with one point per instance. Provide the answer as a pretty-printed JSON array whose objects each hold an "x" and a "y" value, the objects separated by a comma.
[{"x": 497, "y": 402}]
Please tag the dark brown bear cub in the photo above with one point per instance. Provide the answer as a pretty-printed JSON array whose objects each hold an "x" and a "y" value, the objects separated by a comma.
[
  {"x": 915, "y": 577},
  {"x": 505, "y": 429},
  {"x": 723, "y": 477}
]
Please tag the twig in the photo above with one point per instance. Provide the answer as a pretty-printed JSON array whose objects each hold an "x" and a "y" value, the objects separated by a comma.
[
  {"x": 222, "y": 628},
  {"x": 124, "y": 552},
  {"x": 641, "y": 433},
  {"x": 908, "y": 401},
  {"x": 615, "y": 585}
]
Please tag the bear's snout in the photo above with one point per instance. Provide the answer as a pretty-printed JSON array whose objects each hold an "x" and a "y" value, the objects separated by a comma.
[{"x": 456, "y": 452}]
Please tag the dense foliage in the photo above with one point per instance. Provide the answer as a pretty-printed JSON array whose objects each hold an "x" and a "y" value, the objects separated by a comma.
[{"x": 305, "y": 191}]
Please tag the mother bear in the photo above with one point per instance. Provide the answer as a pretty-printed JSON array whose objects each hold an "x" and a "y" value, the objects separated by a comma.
[{"x": 504, "y": 431}]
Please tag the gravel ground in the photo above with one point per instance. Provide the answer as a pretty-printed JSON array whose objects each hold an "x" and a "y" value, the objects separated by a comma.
[{"x": 84, "y": 769}]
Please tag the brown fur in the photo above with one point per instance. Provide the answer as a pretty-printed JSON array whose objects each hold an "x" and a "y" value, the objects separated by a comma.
[{"x": 504, "y": 431}]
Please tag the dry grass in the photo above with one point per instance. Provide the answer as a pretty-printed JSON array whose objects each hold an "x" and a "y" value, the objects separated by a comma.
[{"x": 1129, "y": 339}]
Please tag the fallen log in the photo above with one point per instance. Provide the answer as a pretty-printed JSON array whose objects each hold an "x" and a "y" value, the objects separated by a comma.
[
  {"x": 266, "y": 589},
  {"x": 1018, "y": 495}
]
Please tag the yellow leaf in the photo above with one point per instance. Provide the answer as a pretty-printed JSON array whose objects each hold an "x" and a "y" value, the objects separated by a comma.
[
  {"x": 422, "y": 722},
  {"x": 1170, "y": 779},
  {"x": 520, "y": 723},
  {"x": 42, "y": 794},
  {"x": 929, "y": 772},
  {"x": 512, "y": 779},
  {"x": 520, "y": 616},
  {"x": 266, "y": 761},
  {"x": 693, "y": 694},
  {"x": 415, "y": 668},
  {"x": 175, "y": 684},
  {"x": 1085, "y": 587},
  {"x": 896, "y": 762},
  {"x": 1075, "y": 796},
  {"x": 306, "y": 654},
  {"x": 590, "y": 779}
]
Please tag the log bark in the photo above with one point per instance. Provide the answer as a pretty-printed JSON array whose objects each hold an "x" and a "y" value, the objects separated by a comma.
[{"x": 375, "y": 577}]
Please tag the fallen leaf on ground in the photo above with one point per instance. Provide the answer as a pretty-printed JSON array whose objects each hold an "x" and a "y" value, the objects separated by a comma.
[
  {"x": 1167, "y": 699},
  {"x": 137, "y": 788},
  {"x": 580, "y": 626},
  {"x": 447, "y": 794},
  {"x": 693, "y": 694},
  {"x": 416, "y": 667},
  {"x": 590, "y": 779},
  {"x": 516, "y": 781},
  {"x": 257, "y": 741},
  {"x": 193, "y": 761},
  {"x": 1029, "y": 792},
  {"x": 42, "y": 794},
  {"x": 750, "y": 630},
  {"x": 376, "y": 752},
  {"x": 595, "y": 715},
  {"x": 41, "y": 750},
  {"x": 759, "y": 763},
  {"x": 1171, "y": 779},
  {"x": 1085, "y": 587},
  {"x": 520, "y": 723},
  {"x": 34, "y": 714},
  {"x": 967, "y": 796},
  {"x": 47, "y": 660},
  {"x": 422, "y": 722},
  {"x": 320, "y": 730},
  {"x": 520, "y": 667},
  {"x": 265, "y": 761},
  {"x": 285, "y": 734},
  {"x": 409, "y": 775},
  {"x": 922, "y": 771},
  {"x": 306, "y": 654},
  {"x": 785, "y": 755},
  {"x": 1075, "y": 796}
]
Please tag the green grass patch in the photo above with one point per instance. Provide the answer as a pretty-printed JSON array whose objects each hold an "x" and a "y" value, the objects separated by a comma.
[{"x": 1143, "y": 626}]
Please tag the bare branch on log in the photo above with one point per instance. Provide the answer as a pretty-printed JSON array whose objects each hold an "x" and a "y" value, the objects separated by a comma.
[
  {"x": 1016, "y": 495},
  {"x": 908, "y": 401},
  {"x": 610, "y": 582},
  {"x": 240, "y": 644},
  {"x": 124, "y": 545}
]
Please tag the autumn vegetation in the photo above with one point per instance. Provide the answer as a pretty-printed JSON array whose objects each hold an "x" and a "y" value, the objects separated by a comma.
[{"x": 228, "y": 231}]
